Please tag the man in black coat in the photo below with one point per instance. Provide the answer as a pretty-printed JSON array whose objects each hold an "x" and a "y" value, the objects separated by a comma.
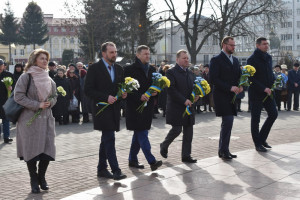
[
  {"x": 262, "y": 81},
  {"x": 140, "y": 123},
  {"x": 179, "y": 92},
  {"x": 224, "y": 75},
  {"x": 294, "y": 87},
  {"x": 101, "y": 85},
  {"x": 3, "y": 99}
]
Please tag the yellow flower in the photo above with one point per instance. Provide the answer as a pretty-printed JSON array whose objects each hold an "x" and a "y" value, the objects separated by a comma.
[
  {"x": 250, "y": 69},
  {"x": 128, "y": 79},
  {"x": 166, "y": 80},
  {"x": 61, "y": 91}
]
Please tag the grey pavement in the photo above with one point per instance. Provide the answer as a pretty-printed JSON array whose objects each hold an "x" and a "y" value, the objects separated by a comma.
[{"x": 74, "y": 170}]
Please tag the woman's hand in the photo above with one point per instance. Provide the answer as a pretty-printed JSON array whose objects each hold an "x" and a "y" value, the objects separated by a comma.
[{"x": 44, "y": 105}]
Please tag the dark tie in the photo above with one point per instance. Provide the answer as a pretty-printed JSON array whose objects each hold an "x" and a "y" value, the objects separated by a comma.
[{"x": 109, "y": 67}]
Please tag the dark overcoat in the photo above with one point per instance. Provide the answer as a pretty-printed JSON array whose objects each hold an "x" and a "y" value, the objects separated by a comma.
[
  {"x": 263, "y": 77},
  {"x": 134, "y": 119},
  {"x": 223, "y": 75},
  {"x": 179, "y": 91},
  {"x": 63, "y": 102},
  {"x": 98, "y": 86},
  {"x": 293, "y": 77},
  {"x": 3, "y": 91}
]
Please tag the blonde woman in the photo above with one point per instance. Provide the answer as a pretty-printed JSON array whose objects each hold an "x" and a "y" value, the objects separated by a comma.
[{"x": 35, "y": 143}]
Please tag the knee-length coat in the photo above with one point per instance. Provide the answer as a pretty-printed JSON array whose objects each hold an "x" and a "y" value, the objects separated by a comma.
[{"x": 39, "y": 137}]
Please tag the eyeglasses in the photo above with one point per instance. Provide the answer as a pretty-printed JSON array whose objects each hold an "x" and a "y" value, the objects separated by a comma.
[{"x": 232, "y": 45}]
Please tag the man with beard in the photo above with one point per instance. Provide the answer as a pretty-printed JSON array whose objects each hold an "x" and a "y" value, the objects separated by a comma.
[
  {"x": 262, "y": 82},
  {"x": 140, "y": 123},
  {"x": 101, "y": 85},
  {"x": 224, "y": 76}
]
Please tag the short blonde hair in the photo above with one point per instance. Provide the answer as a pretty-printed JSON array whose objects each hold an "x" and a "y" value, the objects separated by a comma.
[
  {"x": 33, "y": 56},
  {"x": 180, "y": 52}
]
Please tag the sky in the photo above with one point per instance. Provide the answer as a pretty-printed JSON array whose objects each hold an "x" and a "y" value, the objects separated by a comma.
[{"x": 57, "y": 8}]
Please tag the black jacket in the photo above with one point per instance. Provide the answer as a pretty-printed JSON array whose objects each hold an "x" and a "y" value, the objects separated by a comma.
[
  {"x": 98, "y": 86},
  {"x": 134, "y": 119},
  {"x": 3, "y": 90},
  {"x": 62, "y": 104},
  {"x": 223, "y": 75},
  {"x": 263, "y": 77},
  {"x": 179, "y": 91},
  {"x": 293, "y": 77}
]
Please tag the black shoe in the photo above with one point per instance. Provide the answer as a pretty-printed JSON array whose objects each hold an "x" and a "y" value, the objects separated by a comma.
[
  {"x": 43, "y": 183},
  {"x": 266, "y": 145},
  {"x": 8, "y": 140},
  {"x": 296, "y": 109},
  {"x": 156, "y": 165},
  {"x": 226, "y": 156},
  {"x": 119, "y": 175},
  {"x": 239, "y": 110},
  {"x": 163, "y": 151},
  {"x": 189, "y": 160},
  {"x": 261, "y": 148},
  {"x": 288, "y": 110},
  {"x": 135, "y": 164},
  {"x": 154, "y": 117},
  {"x": 232, "y": 155},
  {"x": 210, "y": 109},
  {"x": 105, "y": 174}
]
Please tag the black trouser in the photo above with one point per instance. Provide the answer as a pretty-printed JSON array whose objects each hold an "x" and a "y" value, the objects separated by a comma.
[
  {"x": 278, "y": 98},
  {"x": 186, "y": 142},
  {"x": 260, "y": 136},
  {"x": 296, "y": 99},
  {"x": 225, "y": 133}
]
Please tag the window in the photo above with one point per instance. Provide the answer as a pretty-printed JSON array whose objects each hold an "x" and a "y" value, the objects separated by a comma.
[
  {"x": 64, "y": 40},
  {"x": 287, "y": 12},
  {"x": 298, "y": 24},
  {"x": 72, "y": 29},
  {"x": 298, "y": 47},
  {"x": 15, "y": 51},
  {"x": 298, "y": 36},
  {"x": 298, "y": 11},
  {"x": 71, "y": 40},
  {"x": 63, "y": 29},
  {"x": 286, "y": 24},
  {"x": 55, "y": 29},
  {"x": 215, "y": 40},
  {"x": 286, "y": 37},
  {"x": 182, "y": 39},
  {"x": 206, "y": 59},
  {"x": 286, "y": 48},
  {"x": 22, "y": 52}
]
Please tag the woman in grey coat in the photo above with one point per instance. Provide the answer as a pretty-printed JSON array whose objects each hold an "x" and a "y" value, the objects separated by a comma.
[{"x": 35, "y": 142}]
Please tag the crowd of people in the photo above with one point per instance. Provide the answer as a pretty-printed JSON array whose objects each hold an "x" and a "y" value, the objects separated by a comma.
[{"x": 89, "y": 88}]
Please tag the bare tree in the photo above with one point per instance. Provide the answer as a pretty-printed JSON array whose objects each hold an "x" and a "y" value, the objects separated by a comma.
[
  {"x": 241, "y": 17},
  {"x": 194, "y": 24}
]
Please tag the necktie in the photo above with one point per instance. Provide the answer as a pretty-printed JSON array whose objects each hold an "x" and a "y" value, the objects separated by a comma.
[{"x": 109, "y": 67}]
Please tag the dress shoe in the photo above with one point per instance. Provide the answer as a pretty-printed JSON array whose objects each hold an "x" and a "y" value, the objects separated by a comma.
[
  {"x": 297, "y": 109},
  {"x": 135, "y": 164},
  {"x": 8, "y": 140},
  {"x": 226, "y": 156},
  {"x": 189, "y": 160},
  {"x": 163, "y": 152},
  {"x": 261, "y": 148},
  {"x": 156, "y": 165},
  {"x": 266, "y": 145},
  {"x": 119, "y": 175},
  {"x": 232, "y": 155},
  {"x": 154, "y": 117},
  {"x": 105, "y": 174}
]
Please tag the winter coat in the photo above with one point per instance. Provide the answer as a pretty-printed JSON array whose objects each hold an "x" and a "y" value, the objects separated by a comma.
[
  {"x": 179, "y": 91},
  {"x": 294, "y": 77},
  {"x": 39, "y": 137},
  {"x": 263, "y": 77},
  {"x": 223, "y": 75},
  {"x": 63, "y": 102},
  {"x": 75, "y": 86},
  {"x": 3, "y": 91},
  {"x": 98, "y": 86},
  {"x": 134, "y": 119}
]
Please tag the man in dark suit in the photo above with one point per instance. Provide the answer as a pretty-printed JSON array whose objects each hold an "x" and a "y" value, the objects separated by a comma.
[
  {"x": 101, "y": 85},
  {"x": 140, "y": 123},
  {"x": 262, "y": 81},
  {"x": 224, "y": 76},
  {"x": 294, "y": 87},
  {"x": 179, "y": 92}
]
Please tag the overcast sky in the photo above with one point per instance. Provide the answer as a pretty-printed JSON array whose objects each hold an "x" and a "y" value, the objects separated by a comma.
[{"x": 56, "y": 7}]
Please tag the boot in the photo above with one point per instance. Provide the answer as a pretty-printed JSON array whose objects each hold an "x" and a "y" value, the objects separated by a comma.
[
  {"x": 204, "y": 107},
  {"x": 31, "y": 165},
  {"x": 43, "y": 165}
]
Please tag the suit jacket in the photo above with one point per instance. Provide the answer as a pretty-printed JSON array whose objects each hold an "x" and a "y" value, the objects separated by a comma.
[
  {"x": 98, "y": 86},
  {"x": 263, "y": 77},
  {"x": 179, "y": 91},
  {"x": 223, "y": 75},
  {"x": 134, "y": 119},
  {"x": 3, "y": 91},
  {"x": 293, "y": 77}
]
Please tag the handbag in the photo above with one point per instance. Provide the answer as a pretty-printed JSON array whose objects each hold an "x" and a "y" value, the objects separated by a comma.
[
  {"x": 11, "y": 108},
  {"x": 73, "y": 104}
]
